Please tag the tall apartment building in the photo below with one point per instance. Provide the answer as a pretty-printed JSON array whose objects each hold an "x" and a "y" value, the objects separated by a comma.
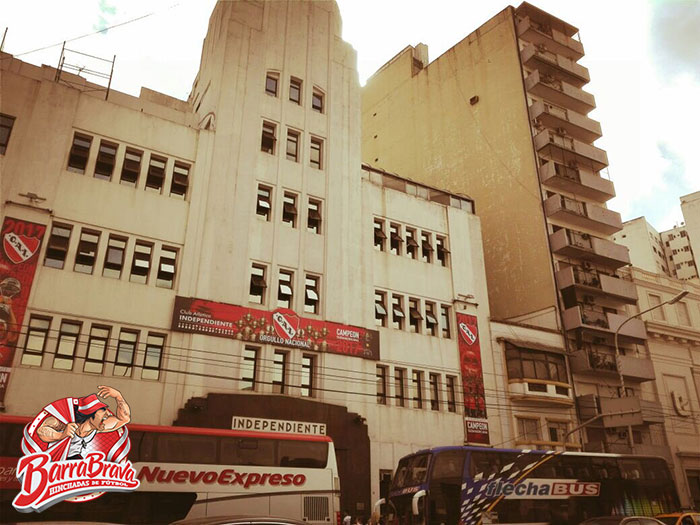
[
  {"x": 679, "y": 254},
  {"x": 645, "y": 246},
  {"x": 502, "y": 115}
]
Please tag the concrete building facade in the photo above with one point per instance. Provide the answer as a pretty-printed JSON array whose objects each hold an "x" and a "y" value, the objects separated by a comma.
[{"x": 644, "y": 244}]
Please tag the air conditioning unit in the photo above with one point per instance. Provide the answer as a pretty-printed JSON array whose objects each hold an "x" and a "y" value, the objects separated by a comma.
[{"x": 622, "y": 434}]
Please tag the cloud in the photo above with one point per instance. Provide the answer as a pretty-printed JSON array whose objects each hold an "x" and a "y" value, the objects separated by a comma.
[
  {"x": 675, "y": 39},
  {"x": 102, "y": 22}
]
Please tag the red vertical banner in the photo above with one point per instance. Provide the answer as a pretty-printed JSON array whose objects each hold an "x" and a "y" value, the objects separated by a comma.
[
  {"x": 21, "y": 241},
  {"x": 476, "y": 425}
]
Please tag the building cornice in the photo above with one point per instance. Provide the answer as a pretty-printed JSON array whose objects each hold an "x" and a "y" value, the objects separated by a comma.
[{"x": 684, "y": 335}]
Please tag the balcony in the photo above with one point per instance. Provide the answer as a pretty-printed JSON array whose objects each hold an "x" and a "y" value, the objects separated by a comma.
[
  {"x": 604, "y": 324},
  {"x": 554, "y": 146},
  {"x": 642, "y": 411},
  {"x": 577, "y": 181},
  {"x": 592, "y": 282},
  {"x": 570, "y": 243},
  {"x": 559, "y": 92},
  {"x": 640, "y": 449},
  {"x": 539, "y": 33},
  {"x": 574, "y": 124},
  {"x": 583, "y": 214},
  {"x": 559, "y": 67},
  {"x": 599, "y": 363}
]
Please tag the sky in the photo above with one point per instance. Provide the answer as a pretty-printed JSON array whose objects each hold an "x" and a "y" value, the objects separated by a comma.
[{"x": 643, "y": 57}]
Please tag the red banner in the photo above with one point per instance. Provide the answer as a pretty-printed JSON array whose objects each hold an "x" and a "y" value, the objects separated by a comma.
[
  {"x": 282, "y": 327},
  {"x": 475, "y": 418},
  {"x": 21, "y": 241}
]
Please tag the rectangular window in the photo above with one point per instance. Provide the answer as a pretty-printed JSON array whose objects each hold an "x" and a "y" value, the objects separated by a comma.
[
  {"x": 411, "y": 243},
  {"x": 381, "y": 385},
  {"x": 317, "y": 101},
  {"x": 295, "y": 90},
  {"x": 67, "y": 342},
  {"x": 311, "y": 294},
  {"x": 87, "y": 251},
  {"x": 524, "y": 363},
  {"x": 307, "y": 375},
  {"x": 379, "y": 235},
  {"x": 79, "y": 153},
  {"x": 153, "y": 356},
  {"x": 114, "y": 257},
  {"x": 181, "y": 180},
  {"x": 528, "y": 429},
  {"x": 557, "y": 430},
  {"x": 380, "y": 308},
  {"x": 415, "y": 319},
  {"x": 292, "y": 145},
  {"x": 37, "y": 334},
  {"x": 263, "y": 208},
  {"x": 58, "y": 246},
  {"x": 316, "y": 155},
  {"x": 395, "y": 238},
  {"x": 417, "y": 389},
  {"x": 426, "y": 247},
  {"x": 314, "y": 218},
  {"x": 451, "y": 390},
  {"x": 285, "y": 290},
  {"x": 271, "y": 81},
  {"x": 106, "y": 157},
  {"x": 289, "y": 209},
  {"x": 156, "y": 174},
  {"x": 96, "y": 349},
  {"x": 657, "y": 314},
  {"x": 397, "y": 315},
  {"x": 126, "y": 350},
  {"x": 267, "y": 142},
  {"x": 434, "y": 392},
  {"x": 400, "y": 387},
  {"x": 258, "y": 284},
  {"x": 445, "y": 321},
  {"x": 141, "y": 263},
  {"x": 166, "y": 267},
  {"x": 249, "y": 366},
  {"x": 431, "y": 322},
  {"x": 683, "y": 314},
  {"x": 442, "y": 251},
  {"x": 279, "y": 372},
  {"x": 131, "y": 167},
  {"x": 6, "y": 124}
]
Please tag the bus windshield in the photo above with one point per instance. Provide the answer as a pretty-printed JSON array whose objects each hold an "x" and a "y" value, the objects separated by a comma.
[{"x": 412, "y": 471}]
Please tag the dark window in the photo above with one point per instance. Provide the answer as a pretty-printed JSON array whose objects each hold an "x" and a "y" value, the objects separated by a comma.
[
  {"x": 434, "y": 392},
  {"x": 415, "y": 319},
  {"x": 166, "y": 267},
  {"x": 271, "y": 81},
  {"x": 317, "y": 101},
  {"x": 431, "y": 322},
  {"x": 395, "y": 239},
  {"x": 267, "y": 142},
  {"x": 156, "y": 174},
  {"x": 263, "y": 207},
  {"x": 314, "y": 218},
  {"x": 311, "y": 295},
  {"x": 380, "y": 308},
  {"x": 292, "y": 145},
  {"x": 114, "y": 257},
  {"x": 307, "y": 375},
  {"x": 79, "y": 152},
  {"x": 249, "y": 367},
  {"x": 285, "y": 290},
  {"x": 379, "y": 235},
  {"x": 289, "y": 209},
  {"x": 451, "y": 391},
  {"x": 295, "y": 90},
  {"x": 58, "y": 246},
  {"x": 445, "y": 321},
  {"x": 126, "y": 350},
  {"x": 417, "y": 389},
  {"x": 131, "y": 167},
  {"x": 256, "y": 292},
  {"x": 153, "y": 356},
  {"x": 316, "y": 156},
  {"x": 411, "y": 243},
  {"x": 67, "y": 342},
  {"x": 279, "y": 372},
  {"x": 141, "y": 263},
  {"x": 400, "y": 387},
  {"x": 397, "y": 315},
  {"x": 6, "y": 124},
  {"x": 96, "y": 350},
  {"x": 106, "y": 157},
  {"x": 427, "y": 247},
  {"x": 87, "y": 250},
  {"x": 381, "y": 385},
  {"x": 523, "y": 363},
  {"x": 442, "y": 251},
  {"x": 37, "y": 334},
  {"x": 185, "y": 448},
  {"x": 181, "y": 181}
]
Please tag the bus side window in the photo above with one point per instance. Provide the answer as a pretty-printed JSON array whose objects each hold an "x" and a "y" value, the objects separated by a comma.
[
  {"x": 186, "y": 448},
  {"x": 448, "y": 466},
  {"x": 135, "y": 439},
  {"x": 631, "y": 469},
  {"x": 484, "y": 463},
  {"x": 249, "y": 451},
  {"x": 302, "y": 454},
  {"x": 11, "y": 440},
  {"x": 146, "y": 446}
]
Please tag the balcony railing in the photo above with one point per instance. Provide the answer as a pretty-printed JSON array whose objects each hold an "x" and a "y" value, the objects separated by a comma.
[
  {"x": 583, "y": 215},
  {"x": 593, "y": 362},
  {"x": 604, "y": 324},
  {"x": 548, "y": 62},
  {"x": 559, "y": 92},
  {"x": 593, "y": 282},
  {"x": 571, "y": 243},
  {"x": 541, "y": 34},
  {"x": 551, "y": 145},
  {"x": 576, "y": 180},
  {"x": 575, "y": 124}
]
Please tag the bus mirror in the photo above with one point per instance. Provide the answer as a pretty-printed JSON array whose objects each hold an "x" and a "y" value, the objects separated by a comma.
[{"x": 414, "y": 502}]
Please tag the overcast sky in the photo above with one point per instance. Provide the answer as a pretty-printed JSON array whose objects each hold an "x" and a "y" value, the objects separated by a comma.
[{"x": 643, "y": 56}]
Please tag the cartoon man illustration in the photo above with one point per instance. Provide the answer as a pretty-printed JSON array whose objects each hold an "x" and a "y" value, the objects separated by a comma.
[{"x": 89, "y": 416}]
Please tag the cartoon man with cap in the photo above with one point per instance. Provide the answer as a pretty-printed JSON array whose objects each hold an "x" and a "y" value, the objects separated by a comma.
[{"x": 80, "y": 419}]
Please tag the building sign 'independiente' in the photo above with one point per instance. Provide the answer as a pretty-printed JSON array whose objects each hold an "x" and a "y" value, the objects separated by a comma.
[{"x": 281, "y": 327}]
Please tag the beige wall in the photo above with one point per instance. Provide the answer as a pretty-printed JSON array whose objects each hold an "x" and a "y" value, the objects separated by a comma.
[{"x": 645, "y": 247}]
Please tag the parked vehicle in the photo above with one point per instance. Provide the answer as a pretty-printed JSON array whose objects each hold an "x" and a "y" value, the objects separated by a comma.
[
  {"x": 239, "y": 520},
  {"x": 622, "y": 520},
  {"x": 680, "y": 518}
]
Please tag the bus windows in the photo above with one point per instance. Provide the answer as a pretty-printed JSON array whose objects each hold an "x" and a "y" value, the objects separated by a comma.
[
  {"x": 248, "y": 451},
  {"x": 185, "y": 448},
  {"x": 303, "y": 454},
  {"x": 445, "y": 486},
  {"x": 605, "y": 468},
  {"x": 411, "y": 471},
  {"x": 630, "y": 469}
]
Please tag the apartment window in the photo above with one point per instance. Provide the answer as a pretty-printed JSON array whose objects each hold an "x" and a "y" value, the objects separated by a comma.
[
  {"x": 445, "y": 321},
  {"x": 58, "y": 246},
  {"x": 279, "y": 372},
  {"x": 417, "y": 389},
  {"x": 426, "y": 247},
  {"x": 381, "y": 385},
  {"x": 285, "y": 289},
  {"x": 397, "y": 315},
  {"x": 79, "y": 152},
  {"x": 106, "y": 157},
  {"x": 166, "y": 267},
  {"x": 126, "y": 350},
  {"x": 379, "y": 235},
  {"x": 307, "y": 375},
  {"x": 411, "y": 243},
  {"x": 153, "y": 357},
  {"x": 431, "y": 322},
  {"x": 528, "y": 429},
  {"x": 434, "y": 392},
  {"x": 311, "y": 294},
  {"x": 313, "y": 217},
  {"x": 271, "y": 82},
  {"x": 451, "y": 391},
  {"x": 317, "y": 101},
  {"x": 87, "y": 251},
  {"x": 6, "y": 124},
  {"x": 249, "y": 365},
  {"x": 400, "y": 387},
  {"x": 156, "y": 174},
  {"x": 37, "y": 334},
  {"x": 263, "y": 207},
  {"x": 141, "y": 263},
  {"x": 256, "y": 292},
  {"x": 415, "y": 319},
  {"x": 181, "y": 180},
  {"x": 658, "y": 313},
  {"x": 267, "y": 142},
  {"x": 523, "y": 363},
  {"x": 289, "y": 209},
  {"x": 292, "y": 145},
  {"x": 683, "y": 315},
  {"x": 96, "y": 349},
  {"x": 67, "y": 342},
  {"x": 295, "y": 90},
  {"x": 380, "y": 308},
  {"x": 395, "y": 239},
  {"x": 131, "y": 168},
  {"x": 557, "y": 431},
  {"x": 114, "y": 258},
  {"x": 316, "y": 156},
  {"x": 442, "y": 251}
]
